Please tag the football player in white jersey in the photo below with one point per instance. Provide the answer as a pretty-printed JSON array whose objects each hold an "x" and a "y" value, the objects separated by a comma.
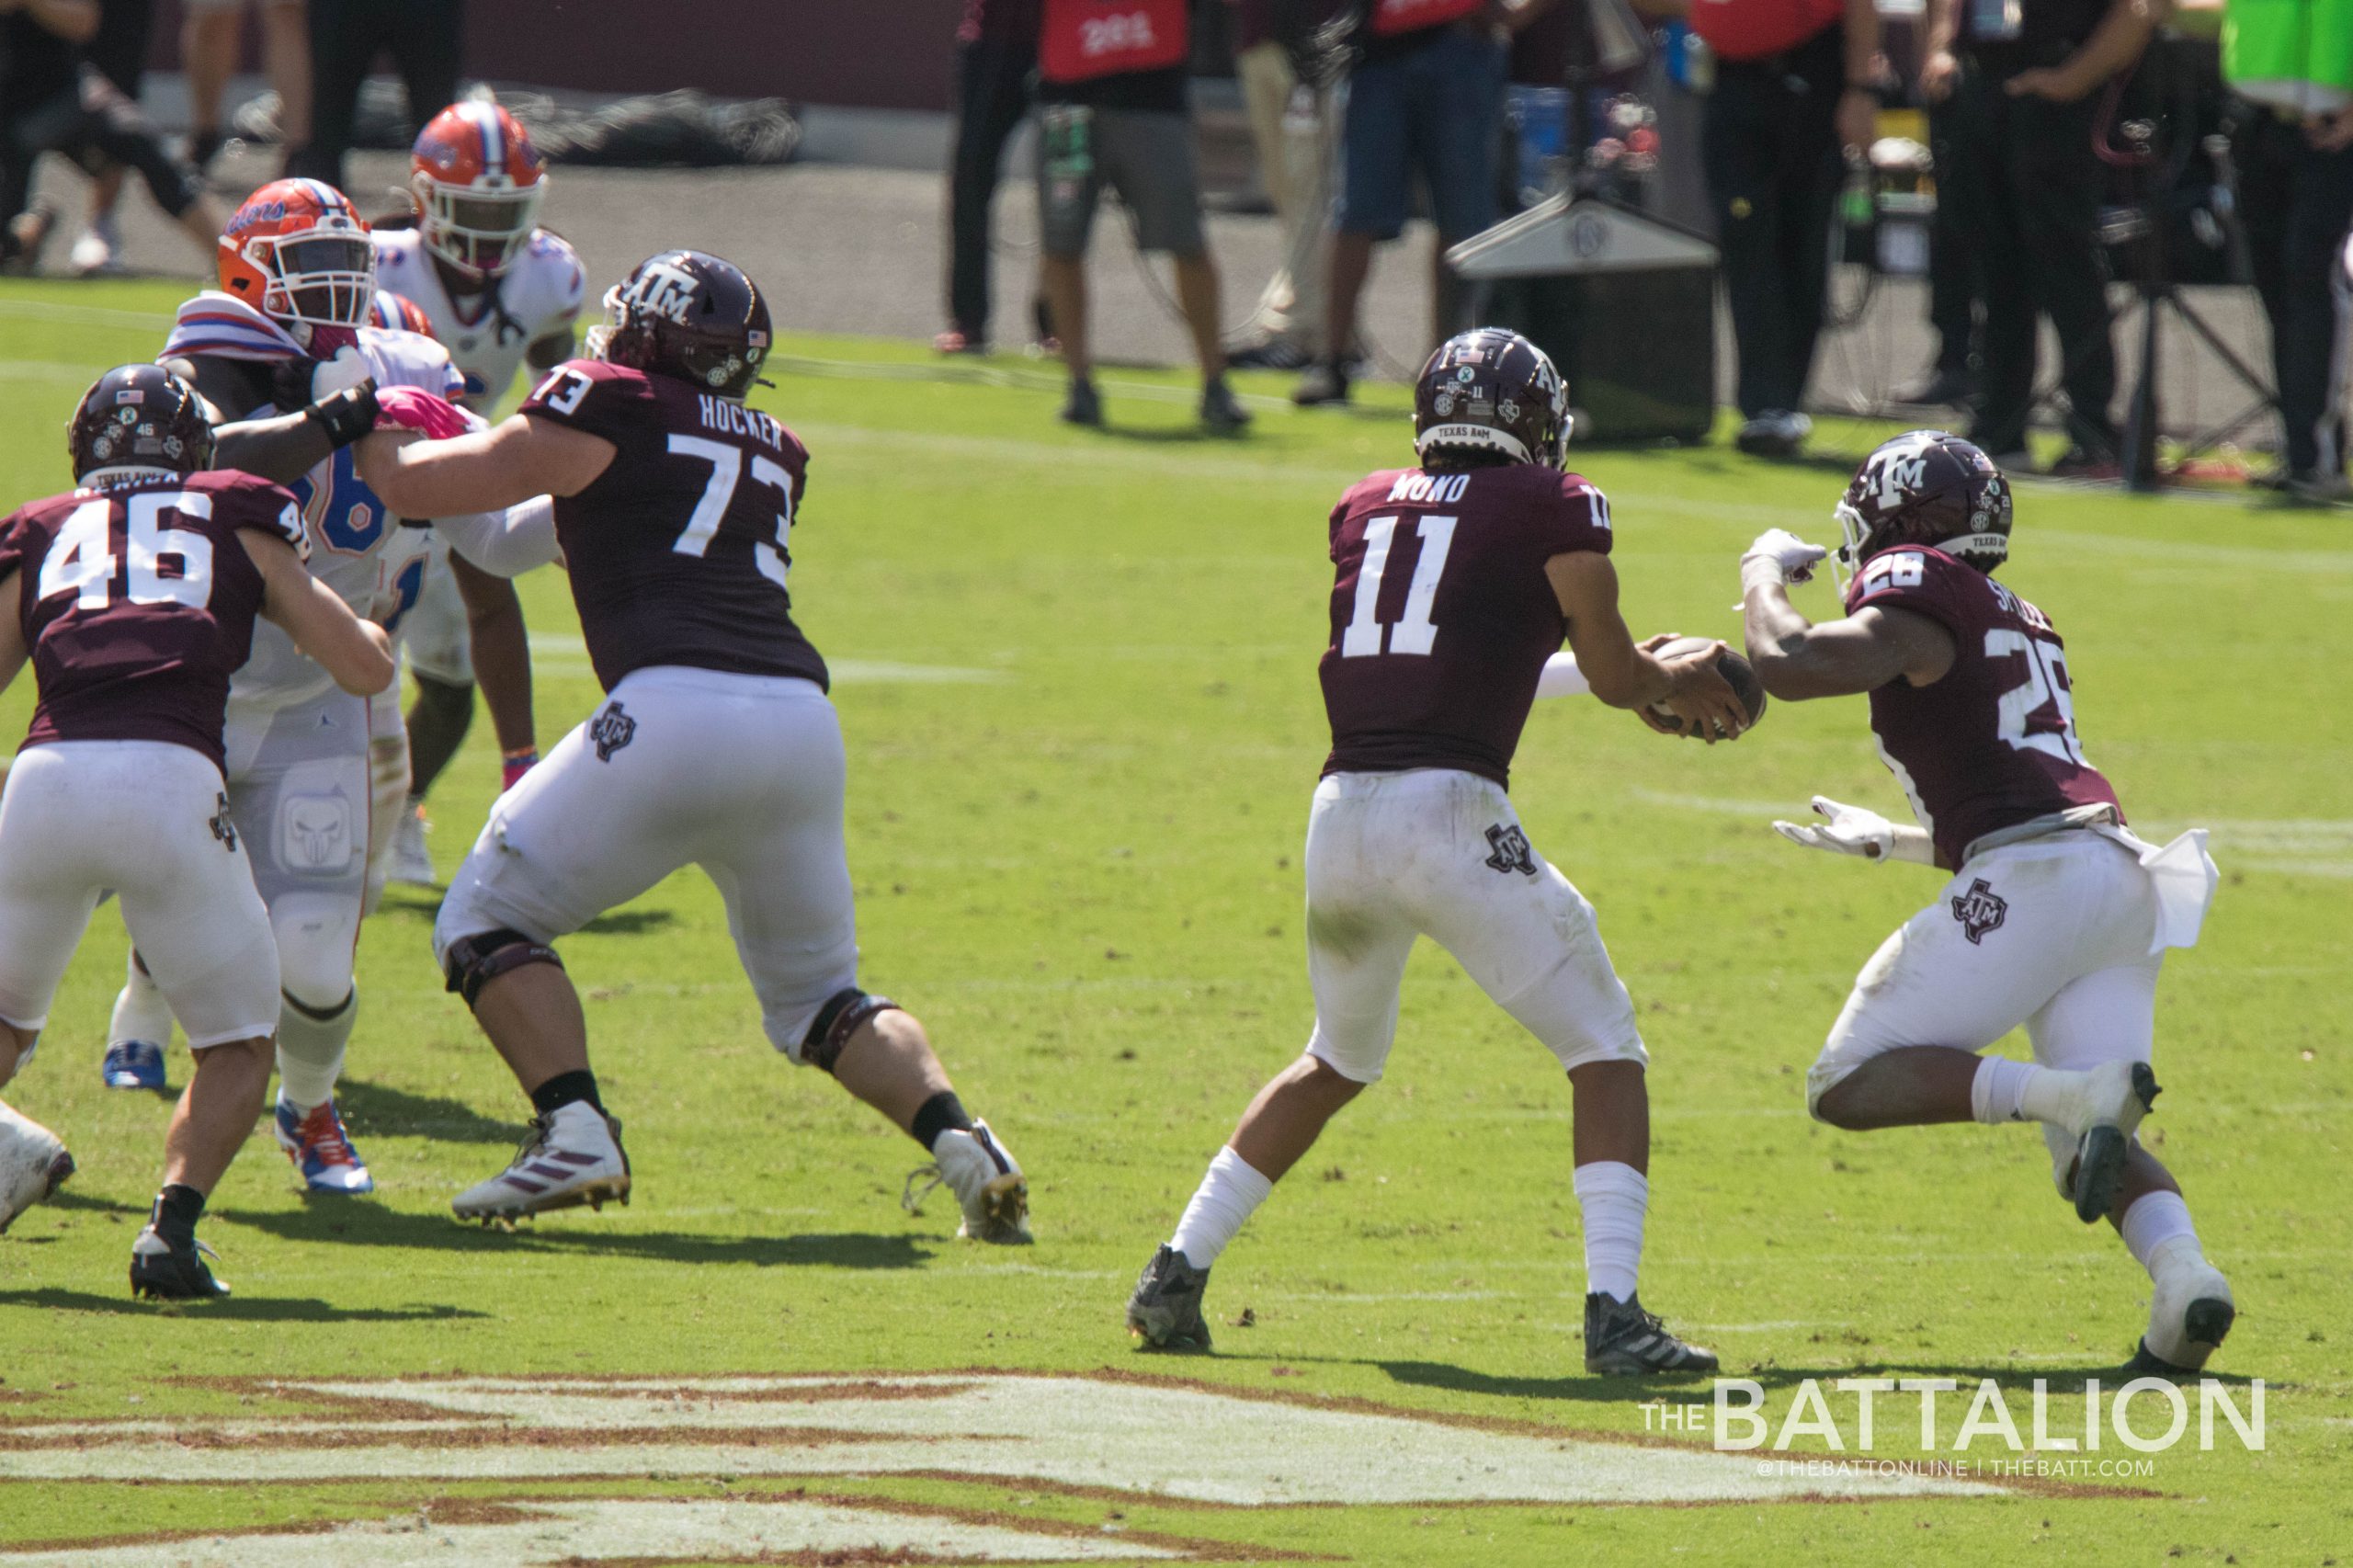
[
  {"x": 297, "y": 285},
  {"x": 499, "y": 292}
]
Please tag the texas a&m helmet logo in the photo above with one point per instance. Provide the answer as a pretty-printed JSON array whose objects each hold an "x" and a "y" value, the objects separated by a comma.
[
  {"x": 661, "y": 290},
  {"x": 1980, "y": 910}
]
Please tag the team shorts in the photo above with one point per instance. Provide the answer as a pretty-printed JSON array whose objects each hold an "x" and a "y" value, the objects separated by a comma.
[
  {"x": 2054, "y": 934},
  {"x": 1440, "y": 853},
  {"x": 1436, "y": 109},
  {"x": 435, "y": 632},
  {"x": 740, "y": 775},
  {"x": 1146, "y": 155},
  {"x": 149, "y": 821}
]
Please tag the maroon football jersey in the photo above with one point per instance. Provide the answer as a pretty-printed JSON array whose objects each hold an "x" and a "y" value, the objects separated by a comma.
[
  {"x": 138, "y": 603},
  {"x": 678, "y": 551},
  {"x": 1992, "y": 743},
  {"x": 1442, "y": 616}
]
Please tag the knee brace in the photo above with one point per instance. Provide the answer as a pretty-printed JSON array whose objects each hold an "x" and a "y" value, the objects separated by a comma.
[
  {"x": 838, "y": 1019},
  {"x": 474, "y": 961}
]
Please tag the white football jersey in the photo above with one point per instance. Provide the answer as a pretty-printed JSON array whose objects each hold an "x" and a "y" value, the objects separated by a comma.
[
  {"x": 361, "y": 552},
  {"x": 540, "y": 295}
]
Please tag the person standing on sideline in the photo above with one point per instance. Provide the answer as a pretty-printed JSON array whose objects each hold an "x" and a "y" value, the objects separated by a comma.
[
  {"x": 212, "y": 39},
  {"x": 2294, "y": 64},
  {"x": 2022, "y": 75},
  {"x": 1793, "y": 88},
  {"x": 1113, "y": 108},
  {"x": 996, "y": 50},
  {"x": 1426, "y": 94},
  {"x": 1292, "y": 130},
  {"x": 424, "y": 38}
]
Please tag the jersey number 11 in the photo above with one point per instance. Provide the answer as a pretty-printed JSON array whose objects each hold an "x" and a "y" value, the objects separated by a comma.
[{"x": 1413, "y": 632}]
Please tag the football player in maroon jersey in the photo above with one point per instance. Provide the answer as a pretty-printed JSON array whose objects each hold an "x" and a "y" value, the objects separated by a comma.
[
  {"x": 2057, "y": 917},
  {"x": 1455, "y": 582},
  {"x": 716, "y": 746},
  {"x": 134, "y": 596}
]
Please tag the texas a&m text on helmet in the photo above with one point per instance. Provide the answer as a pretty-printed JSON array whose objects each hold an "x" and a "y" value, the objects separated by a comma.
[
  {"x": 296, "y": 251},
  {"x": 1491, "y": 392},
  {"x": 1927, "y": 487},
  {"x": 477, "y": 182},
  {"x": 138, "y": 416},
  {"x": 688, "y": 315}
]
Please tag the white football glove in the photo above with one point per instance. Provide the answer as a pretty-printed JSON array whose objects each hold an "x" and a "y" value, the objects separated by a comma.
[
  {"x": 1791, "y": 559},
  {"x": 1849, "y": 830},
  {"x": 346, "y": 370}
]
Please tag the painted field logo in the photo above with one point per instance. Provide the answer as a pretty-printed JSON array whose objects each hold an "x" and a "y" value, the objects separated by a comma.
[{"x": 1087, "y": 1435}]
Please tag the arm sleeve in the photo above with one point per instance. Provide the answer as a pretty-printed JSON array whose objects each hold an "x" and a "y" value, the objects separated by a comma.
[{"x": 507, "y": 544}]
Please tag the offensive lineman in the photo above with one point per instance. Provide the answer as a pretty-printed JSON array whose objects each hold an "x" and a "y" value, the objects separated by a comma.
[
  {"x": 1455, "y": 582},
  {"x": 716, "y": 745},
  {"x": 298, "y": 283},
  {"x": 2057, "y": 918},
  {"x": 498, "y": 292},
  {"x": 135, "y": 598}
]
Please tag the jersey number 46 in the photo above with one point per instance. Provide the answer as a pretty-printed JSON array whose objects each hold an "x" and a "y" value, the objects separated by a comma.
[{"x": 82, "y": 559}]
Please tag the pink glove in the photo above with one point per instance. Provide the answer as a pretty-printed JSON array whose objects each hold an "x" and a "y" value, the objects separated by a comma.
[
  {"x": 513, "y": 764},
  {"x": 407, "y": 408}
]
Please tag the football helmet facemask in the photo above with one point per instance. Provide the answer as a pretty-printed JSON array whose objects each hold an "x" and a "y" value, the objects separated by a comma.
[
  {"x": 1925, "y": 487},
  {"x": 296, "y": 251},
  {"x": 689, "y": 315},
  {"x": 477, "y": 182}
]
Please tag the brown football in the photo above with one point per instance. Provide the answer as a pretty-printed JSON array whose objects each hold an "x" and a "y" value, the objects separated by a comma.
[{"x": 1738, "y": 671}]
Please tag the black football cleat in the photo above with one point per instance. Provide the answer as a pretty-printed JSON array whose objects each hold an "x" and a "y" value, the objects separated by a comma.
[
  {"x": 163, "y": 1272},
  {"x": 1083, "y": 406},
  {"x": 1623, "y": 1341},
  {"x": 1221, "y": 412},
  {"x": 1165, "y": 1313}
]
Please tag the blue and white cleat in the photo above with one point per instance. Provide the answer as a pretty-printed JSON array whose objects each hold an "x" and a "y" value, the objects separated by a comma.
[
  {"x": 321, "y": 1151},
  {"x": 133, "y": 1064}
]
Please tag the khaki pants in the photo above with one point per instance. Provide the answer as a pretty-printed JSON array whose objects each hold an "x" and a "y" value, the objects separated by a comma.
[{"x": 1295, "y": 156}]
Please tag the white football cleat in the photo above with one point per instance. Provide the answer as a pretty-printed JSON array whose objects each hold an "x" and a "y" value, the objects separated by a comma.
[
  {"x": 2191, "y": 1311},
  {"x": 32, "y": 1162},
  {"x": 411, "y": 862},
  {"x": 570, "y": 1156},
  {"x": 987, "y": 1181},
  {"x": 2114, "y": 1098}
]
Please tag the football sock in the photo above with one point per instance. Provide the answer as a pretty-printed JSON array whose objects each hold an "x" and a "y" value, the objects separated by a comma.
[
  {"x": 941, "y": 1113},
  {"x": 310, "y": 1050},
  {"x": 176, "y": 1211},
  {"x": 141, "y": 1012},
  {"x": 1226, "y": 1196},
  {"x": 1614, "y": 1197},
  {"x": 567, "y": 1088},
  {"x": 2005, "y": 1090},
  {"x": 2156, "y": 1219}
]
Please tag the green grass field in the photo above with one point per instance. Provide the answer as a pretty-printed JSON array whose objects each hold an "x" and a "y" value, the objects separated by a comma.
[{"x": 1077, "y": 677}]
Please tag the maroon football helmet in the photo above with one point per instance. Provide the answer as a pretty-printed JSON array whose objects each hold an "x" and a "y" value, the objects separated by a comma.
[
  {"x": 1489, "y": 391},
  {"x": 138, "y": 416},
  {"x": 688, "y": 315},
  {"x": 1927, "y": 487}
]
